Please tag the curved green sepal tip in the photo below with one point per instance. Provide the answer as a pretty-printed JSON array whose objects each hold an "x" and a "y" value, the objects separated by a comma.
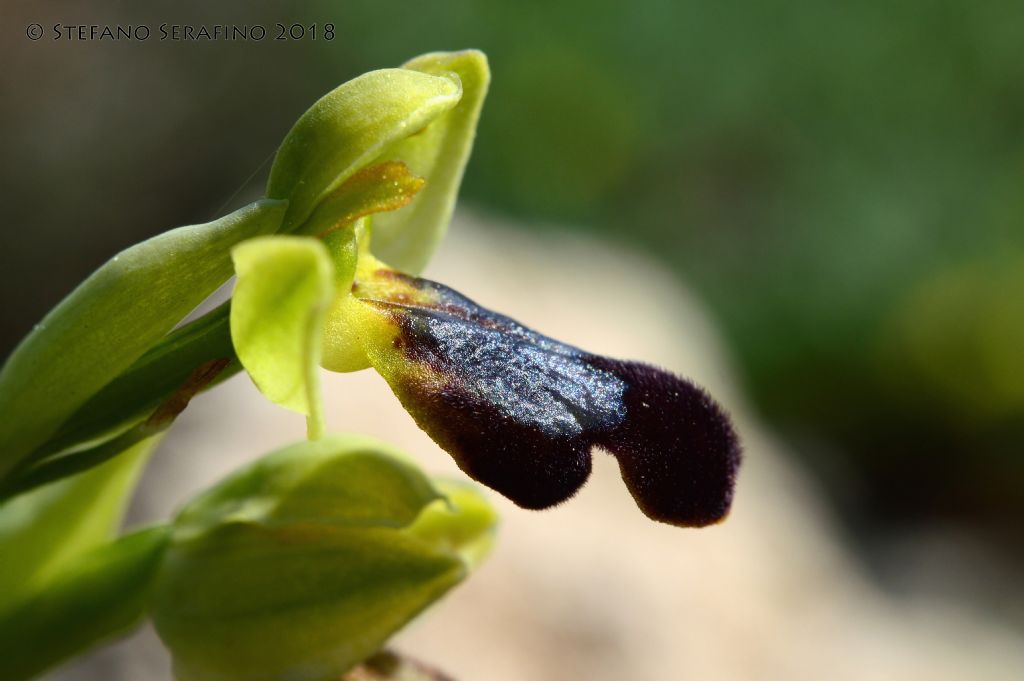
[
  {"x": 111, "y": 319},
  {"x": 284, "y": 286},
  {"x": 304, "y": 563},
  {"x": 348, "y": 128},
  {"x": 406, "y": 239},
  {"x": 462, "y": 521}
]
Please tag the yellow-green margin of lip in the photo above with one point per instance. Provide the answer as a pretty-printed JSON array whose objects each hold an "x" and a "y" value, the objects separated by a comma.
[{"x": 359, "y": 322}]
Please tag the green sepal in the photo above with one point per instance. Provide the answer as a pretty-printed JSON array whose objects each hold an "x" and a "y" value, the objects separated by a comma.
[
  {"x": 96, "y": 597},
  {"x": 406, "y": 239},
  {"x": 348, "y": 128},
  {"x": 284, "y": 286},
  {"x": 111, "y": 319},
  {"x": 304, "y": 563},
  {"x": 382, "y": 187}
]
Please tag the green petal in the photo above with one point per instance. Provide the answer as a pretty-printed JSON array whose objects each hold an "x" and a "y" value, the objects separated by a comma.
[
  {"x": 304, "y": 563},
  {"x": 284, "y": 286},
  {"x": 348, "y": 128},
  {"x": 111, "y": 319},
  {"x": 407, "y": 238},
  {"x": 54, "y": 524},
  {"x": 96, "y": 597}
]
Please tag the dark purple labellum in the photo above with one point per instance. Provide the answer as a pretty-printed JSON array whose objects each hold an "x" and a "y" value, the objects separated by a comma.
[{"x": 520, "y": 412}]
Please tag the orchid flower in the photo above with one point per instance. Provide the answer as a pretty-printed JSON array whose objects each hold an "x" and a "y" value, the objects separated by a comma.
[
  {"x": 303, "y": 563},
  {"x": 518, "y": 411}
]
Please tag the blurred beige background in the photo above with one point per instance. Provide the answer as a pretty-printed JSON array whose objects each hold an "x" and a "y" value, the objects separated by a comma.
[{"x": 593, "y": 590}]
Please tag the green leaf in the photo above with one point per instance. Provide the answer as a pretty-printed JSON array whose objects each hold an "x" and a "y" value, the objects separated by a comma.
[
  {"x": 348, "y": 128},
  {"x": 57, "y": 468},
  {"x": 305, "y": 562},
  {"x": 111, "y": 319},
  {"x": 95, "y": 597},
  {"x": 406, "y": 239},
  {"x": 84, "y": 458},
  {"x": 52, "y": 525},
  {"x": 284, "y": 286}
]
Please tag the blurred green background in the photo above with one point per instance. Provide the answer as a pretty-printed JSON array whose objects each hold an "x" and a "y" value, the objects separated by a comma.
[{"x": 842, "y": 185}]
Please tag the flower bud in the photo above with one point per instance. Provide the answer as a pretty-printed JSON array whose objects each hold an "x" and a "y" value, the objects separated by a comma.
[{"x": 304, "y": 563}]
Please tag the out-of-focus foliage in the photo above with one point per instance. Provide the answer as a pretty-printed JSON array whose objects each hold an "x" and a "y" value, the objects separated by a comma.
[
  {"x": 45, "y": 529},
  {"x": 66, "y": 582},
  {"x": 97, "y": 596}
]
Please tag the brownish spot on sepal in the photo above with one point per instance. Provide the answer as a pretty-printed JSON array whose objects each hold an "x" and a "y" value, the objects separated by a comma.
[
  {"x": 521, "y": 412},
  {"x": 387, "y": 665},
  {"x": 203, "y": 375}
]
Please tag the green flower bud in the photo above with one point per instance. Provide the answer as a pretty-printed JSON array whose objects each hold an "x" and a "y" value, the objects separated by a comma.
[{"x": 304, "y": 563}]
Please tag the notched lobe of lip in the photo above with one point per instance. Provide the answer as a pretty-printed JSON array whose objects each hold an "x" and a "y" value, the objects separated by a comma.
[{"x": 521, "y": 412}]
